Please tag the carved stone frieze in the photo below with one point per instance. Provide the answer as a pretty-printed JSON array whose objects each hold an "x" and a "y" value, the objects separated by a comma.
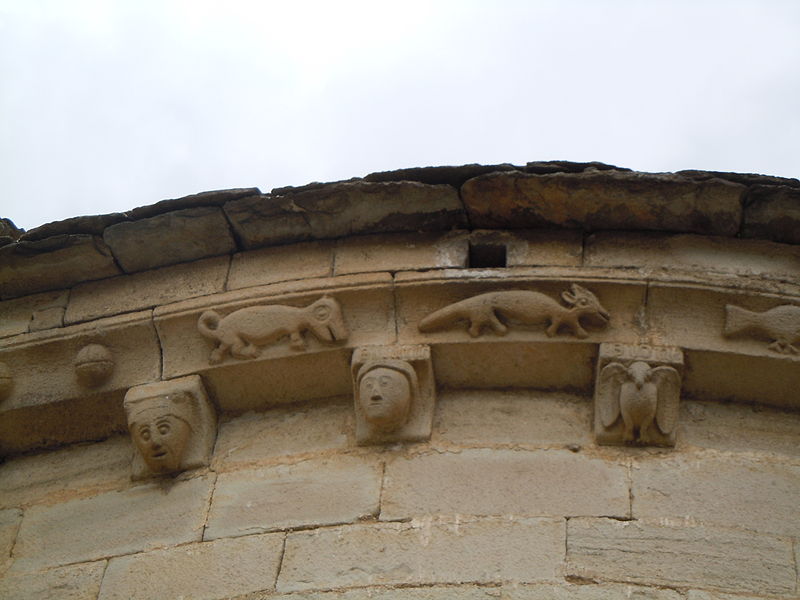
[
  {"x": 173, "y": 426},
  {"x": 394, "y": 393},
  {"x": 498, "y": 310},
  {"x": 637, "y": 394},
  {"x": 94, "y": 365},
  {"x": 241, "y": 332},
  {"x": 779, "y": 325}
]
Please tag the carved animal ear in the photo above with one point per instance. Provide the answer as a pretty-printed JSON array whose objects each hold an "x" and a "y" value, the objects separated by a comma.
[{"x": 569, "y": 298}]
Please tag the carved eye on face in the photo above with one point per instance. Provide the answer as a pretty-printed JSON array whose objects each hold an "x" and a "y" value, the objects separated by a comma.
[
  {"x": 322, "y": 312},
  {"x": 583, "y": 302},
  {"x": 163, "y": 428},
  {"x": 144, "y": 433}
]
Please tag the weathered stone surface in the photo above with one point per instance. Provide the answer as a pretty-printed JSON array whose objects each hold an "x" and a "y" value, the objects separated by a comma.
[
  {"x": 743, "y": 492},
  {"x": 75, "y": 582},
  {"x": 740, "y": 428},
  {"x": 566, "y": 166},
  {"x": 49, "y": 405},
  {"x": 205, "y": 571},
  {"x": 281, "y": 263},
  {"x": 426, "y": 551},
  {"x": 54, "y": 263},
  {"x": 212, "y": 198},
  {"x": 682, "y": 556},
  {"x": 604, "y": 200},
  {"x": 773, "y": 212},
  {"x": 533, "y": 248},
  {"x": 316, "y": 492},
  {"x": 284, "y": 431},
  {"x": 744, "y": 178},
  {"x": 113, "y": 523},
  {"x": 9, "y": 230},
  {"x": 92, "y": 225},
  {"x": 400, "y": 252},
  {"x": 66, "y": 473},
  {"x": 704, "y": 595},
  {"x": 10, "y": 519},
  {"x": 48, "y": 318},
  {"x": 170, "y": 238},
  {"x": 706, "y": 254},
  {"x": 341, "y": 209},
  {"x": 505, "y": 482},
  {"x": 511, "y": 592},
  {"x": 16, "y": 315},
  {"x": 127, "y": 293},
  {"x": 454, "y": 176},
  {"x": 534, "y": 418}
]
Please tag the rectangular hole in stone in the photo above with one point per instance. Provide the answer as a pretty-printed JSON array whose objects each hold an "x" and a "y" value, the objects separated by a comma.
[{"x": 484, "y": 255}]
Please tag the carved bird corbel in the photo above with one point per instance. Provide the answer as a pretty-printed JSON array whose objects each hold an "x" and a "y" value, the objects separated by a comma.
[{"x": 642, "y": 395}]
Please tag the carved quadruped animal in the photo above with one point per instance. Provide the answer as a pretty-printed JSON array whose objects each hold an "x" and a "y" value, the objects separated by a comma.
[
  {"x": 642, "y": 395},
  {"x": 528, "y": 308},
  {"x": 780, "y": 325},
  {"x": 243, "y": 330}
]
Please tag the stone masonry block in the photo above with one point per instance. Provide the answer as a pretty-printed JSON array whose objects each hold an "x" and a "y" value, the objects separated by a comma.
[
  {"x": 147, "y": 289},
  {"x": 532, "y": 248},
  {"x": 255, "y": 438},
  {"x": 16, "y": 315},
  {"x": 316, "y": 492},
  {"x": 48, "y": 318},
  {"x": 113, "y": 523},
  {"x": 170, "y": 238},
  {"x": 75, "y": 582},
  {"x": 472, "y": 417},
  {"x": 206, "y": 571},
  {"x": 66, "y": 473},
  {"x": 281, "y": 263},
  {"x": 504, "y": 482},
  {"x": 773, "y": 212},
  {"x": 341, "y": 209},
  {"x": 595, "y": 200},
  {"x": 744, "y": 493},
  {"x": 681, "y": 556},
  {"x": 53, "y": 263},
  {"x": 10, "y": 519},
  {"x": 424, "y": 552},
  {"x": 400, "y": 252},
  {"x": 704, "y": 595}
]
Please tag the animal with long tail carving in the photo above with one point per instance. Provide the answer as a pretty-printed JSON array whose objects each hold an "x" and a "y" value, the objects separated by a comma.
[
  {"x": 490, "y": 310},
  {"x": 779, "y": 325}
]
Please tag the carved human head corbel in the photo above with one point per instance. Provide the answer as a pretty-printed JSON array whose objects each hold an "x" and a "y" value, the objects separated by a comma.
[
  {"x": 393, "y": 390},
  {"x": 172, "y": 424}
]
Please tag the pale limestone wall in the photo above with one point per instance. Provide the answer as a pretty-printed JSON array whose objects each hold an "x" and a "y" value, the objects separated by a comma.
[{"x": 510, "y": 498}]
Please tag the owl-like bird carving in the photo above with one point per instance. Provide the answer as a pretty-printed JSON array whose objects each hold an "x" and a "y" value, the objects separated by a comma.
[{"x": 645, "y": 396}]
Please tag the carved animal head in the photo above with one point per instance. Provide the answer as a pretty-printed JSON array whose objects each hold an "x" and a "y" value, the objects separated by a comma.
[
  {"x": 327, "y": 321},
  {"x": 585, "y": 302}
]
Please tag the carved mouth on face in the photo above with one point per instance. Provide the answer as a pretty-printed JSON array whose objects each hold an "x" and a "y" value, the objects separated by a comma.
[{"x": 159, "y": 454}]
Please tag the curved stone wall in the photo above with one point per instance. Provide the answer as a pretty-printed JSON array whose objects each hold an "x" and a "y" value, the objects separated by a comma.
[{"x": 596, "y": 371}]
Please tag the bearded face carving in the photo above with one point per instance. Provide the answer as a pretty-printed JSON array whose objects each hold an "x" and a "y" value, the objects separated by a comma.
[{"x": 172, "y": 425}]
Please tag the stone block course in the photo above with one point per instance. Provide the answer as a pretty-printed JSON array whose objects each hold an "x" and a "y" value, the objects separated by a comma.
[
  {"x": 75, "y": 582},
  {"x": 281, "y": 263},
  {"x": 53, "y": 264},
  {"x": 504, "y": 482},
  {"x": 10, "y": 519},
  {"x": 533, "y": 248},
  {"x": 424, "y": 552},
  {"x": 314, "y": 492},
  {"x": 170, "y": 238},
  {"x": 595, "y": 200},
  {"x": 113, "y": 523},
  {"x": 773, "y": 212},
  {"x": 400, "y": 252},
  {"x": 205, "y": 571},
  {"x": 681, "y": 555},
  {"x": 128, "y": 293},
  {"x": 17, "y": 315},
  {"x": 341, "y": 209},
  {"x": 743, "y": 493}
]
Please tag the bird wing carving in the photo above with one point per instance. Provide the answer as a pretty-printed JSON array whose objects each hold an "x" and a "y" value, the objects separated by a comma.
[
  {"x": 612, "y": 376},
  {"x": 668, "y": 383}
]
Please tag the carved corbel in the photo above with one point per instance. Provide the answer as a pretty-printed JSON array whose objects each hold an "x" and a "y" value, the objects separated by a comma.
[
  {"x": 394, "y": 392},
  {"x": 242, "y": 331},
  {"x": 637, "y": 394},
  {"x": 173, "y": 426}
]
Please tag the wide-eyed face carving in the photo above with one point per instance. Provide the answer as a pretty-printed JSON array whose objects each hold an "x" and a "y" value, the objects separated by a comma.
[
  {"x": 385, "y": 398},
  {"x": 161, "y": 432}
]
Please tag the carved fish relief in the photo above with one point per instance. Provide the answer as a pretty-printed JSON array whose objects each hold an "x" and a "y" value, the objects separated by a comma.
[{"x": 779, "y": 325}]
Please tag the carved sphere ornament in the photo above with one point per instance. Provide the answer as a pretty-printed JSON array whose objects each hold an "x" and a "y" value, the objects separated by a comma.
[
  {"x": 94, "y": 365},
  {"x": 6, "y": 381}
]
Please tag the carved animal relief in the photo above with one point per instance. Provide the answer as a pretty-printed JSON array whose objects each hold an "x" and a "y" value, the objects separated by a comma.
[
  {"x": 496, "y": 310},
  {"x": 241, "y": 332},
  {"x": 173, "y": 426},
  {"x": 394, "y": 393},
  {"x": 779, "y": 325},
  {"x": 637, "y": 395}
]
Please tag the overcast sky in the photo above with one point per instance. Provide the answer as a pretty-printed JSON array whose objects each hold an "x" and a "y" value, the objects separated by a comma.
[{"x": 108, "y": 105}]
